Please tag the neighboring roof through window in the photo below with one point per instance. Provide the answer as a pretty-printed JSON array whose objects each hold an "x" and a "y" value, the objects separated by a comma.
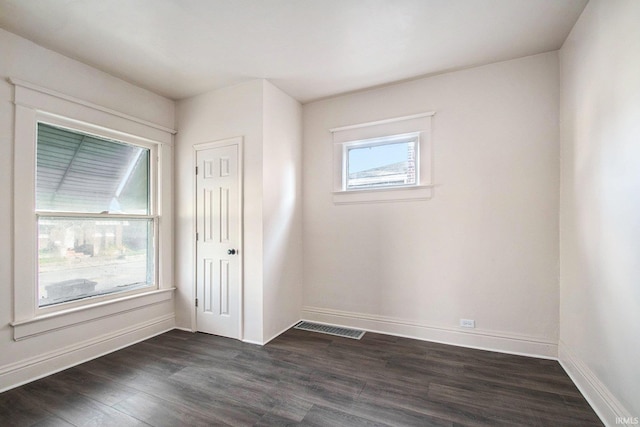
[{"x": 77, "y": 172}]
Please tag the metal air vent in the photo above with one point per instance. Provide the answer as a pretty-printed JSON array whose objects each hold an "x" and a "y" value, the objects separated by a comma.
[{"x": 330, "y": 330}]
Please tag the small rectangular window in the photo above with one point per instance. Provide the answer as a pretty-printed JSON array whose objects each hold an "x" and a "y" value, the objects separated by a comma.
[
  {"x": 387, "y": 160},
  {"x": 381, "y": 162},
  {"x": 95, "y": 224}
]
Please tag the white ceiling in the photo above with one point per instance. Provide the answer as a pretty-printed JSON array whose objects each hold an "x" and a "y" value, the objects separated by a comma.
[{"x": 309, "y": 48}]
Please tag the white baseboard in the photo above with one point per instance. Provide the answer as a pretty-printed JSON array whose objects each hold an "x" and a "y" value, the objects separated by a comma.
[
  {"x": 264, "y": 342},
  {"x": 282, "y": 331},
  {"x": 185, "y": 329},
  {"x": 477, "y": 338},
  {"x": 605, "y": 405},
  {"x": 25, "y": 371}
]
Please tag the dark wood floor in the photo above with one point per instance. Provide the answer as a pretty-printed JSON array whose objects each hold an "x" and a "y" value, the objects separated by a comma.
[{"x": 300, "y": 378}]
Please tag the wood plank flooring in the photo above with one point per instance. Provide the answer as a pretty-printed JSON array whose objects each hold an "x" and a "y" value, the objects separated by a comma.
[{"x": 300, "y": 378}]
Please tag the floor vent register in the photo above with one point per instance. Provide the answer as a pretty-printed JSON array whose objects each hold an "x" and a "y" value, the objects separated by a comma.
[{"x": 330, "y": 330}]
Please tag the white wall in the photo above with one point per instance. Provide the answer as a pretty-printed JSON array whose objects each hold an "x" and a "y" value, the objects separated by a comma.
[
  {"x": 269, "y": 122},
  {"x": 600, "y": 207},
  {"x": 484, "y": 248},
  {"x": 36, "y": 356},
  {"x": 217, "y": 115},
  {"x": 282, "y": 211}
]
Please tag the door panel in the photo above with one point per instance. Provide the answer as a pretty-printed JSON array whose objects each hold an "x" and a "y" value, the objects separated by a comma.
[{"x": 219, "y": 259}]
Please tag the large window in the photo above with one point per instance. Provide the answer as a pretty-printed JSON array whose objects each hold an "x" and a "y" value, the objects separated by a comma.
[
  {"x": 93, "y": 211},
  {"x": 95, "y": 214}
]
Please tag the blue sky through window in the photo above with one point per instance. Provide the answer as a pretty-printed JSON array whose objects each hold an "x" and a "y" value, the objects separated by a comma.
[{"x": 366, "y": 158}]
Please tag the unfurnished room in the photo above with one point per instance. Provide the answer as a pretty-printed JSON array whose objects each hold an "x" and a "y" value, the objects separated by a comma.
[{"x": 320, "y": 212}]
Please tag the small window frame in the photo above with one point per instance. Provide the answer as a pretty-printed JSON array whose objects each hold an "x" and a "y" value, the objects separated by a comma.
[
  {"x": 383, "y": 132},
  {"x": 377, "y": 142}
]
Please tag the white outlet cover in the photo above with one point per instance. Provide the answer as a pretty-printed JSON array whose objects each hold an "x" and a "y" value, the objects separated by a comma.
[{"x": 467, "y": 323}]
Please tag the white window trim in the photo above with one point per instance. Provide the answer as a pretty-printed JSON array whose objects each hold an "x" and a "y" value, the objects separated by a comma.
[
  {"x": 352, "y": 135},
  {"x": 33, "y": 105}
]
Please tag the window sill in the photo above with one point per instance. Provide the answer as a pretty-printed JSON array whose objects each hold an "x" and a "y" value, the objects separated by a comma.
[
  {"x": 383, "y": 195},
  {"x": 74, "y": 316}
]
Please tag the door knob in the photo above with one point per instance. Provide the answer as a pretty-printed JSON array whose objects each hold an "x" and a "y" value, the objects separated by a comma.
[{"x": 231, "y": 251}]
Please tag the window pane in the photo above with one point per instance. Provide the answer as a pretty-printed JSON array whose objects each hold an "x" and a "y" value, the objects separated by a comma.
[
  {"x": 83, "y": 173},
  {"x": 82, "y": 257},
  {"x": 381, "y": 165}
]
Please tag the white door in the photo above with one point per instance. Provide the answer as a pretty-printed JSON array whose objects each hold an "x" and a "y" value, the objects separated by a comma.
[{"x": 219, "y": 259}]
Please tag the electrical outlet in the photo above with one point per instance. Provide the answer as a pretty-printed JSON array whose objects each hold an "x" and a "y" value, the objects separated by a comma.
[{"x": 467, "y": 323}]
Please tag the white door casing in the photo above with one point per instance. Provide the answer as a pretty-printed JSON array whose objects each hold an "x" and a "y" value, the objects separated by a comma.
[{"x": 218, "y": 238}]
